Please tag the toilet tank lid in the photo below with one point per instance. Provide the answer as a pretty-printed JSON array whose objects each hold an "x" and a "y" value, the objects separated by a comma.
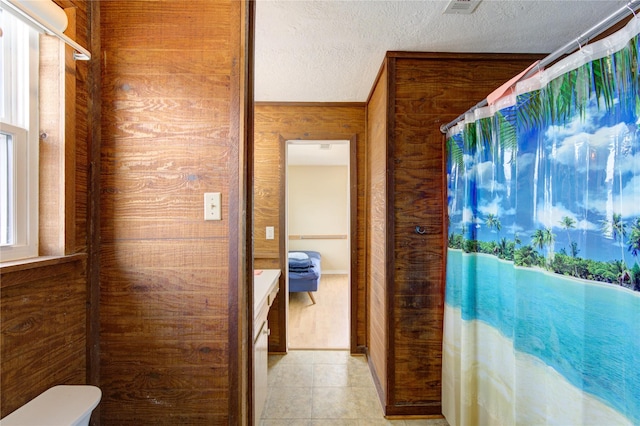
[{"x": 59, "y": 405}]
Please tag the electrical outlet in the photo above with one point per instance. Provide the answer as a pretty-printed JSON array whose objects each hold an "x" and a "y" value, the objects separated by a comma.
[
  {"x": 212, "y": 206},
  {"x": 270, "y": 233}
]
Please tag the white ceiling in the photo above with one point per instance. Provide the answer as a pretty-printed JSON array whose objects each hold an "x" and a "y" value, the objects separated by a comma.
[
  {"x": 331, "y": 50},
  {"x": 318, "y": 153}
]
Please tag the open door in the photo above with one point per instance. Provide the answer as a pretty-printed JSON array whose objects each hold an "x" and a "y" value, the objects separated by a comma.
[{"x": 317, "y": 185}]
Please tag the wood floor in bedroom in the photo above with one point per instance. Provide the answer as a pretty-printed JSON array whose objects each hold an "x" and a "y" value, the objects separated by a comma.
[{"x": 325, "y": 324}]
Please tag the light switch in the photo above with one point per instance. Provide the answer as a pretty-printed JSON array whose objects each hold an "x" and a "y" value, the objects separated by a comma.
[
  {"x": 270, "y": 233},
  {"x": 212, "y": 206}
]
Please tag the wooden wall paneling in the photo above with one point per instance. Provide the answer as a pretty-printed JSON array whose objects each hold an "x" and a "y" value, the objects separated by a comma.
[
  {"x": 52, "y": 194},
  {"x": 60, "y": 145},
  {"x": 70, "y": 150},
  {"x": 425, "y": 91},
  {"x": 268, "y": 163},
  {"x": 390, "y": 236},
  {"x": 43, "y": 302},
  {"x": 91, "y": 160},
  {"x": 274, "y": 124},
  {"x": 358, "y": 298},
  {"x": 418, "y": 191},
  {"x": 78, "y": 126},
  {"x": 419, "y": 195},
  {"x": 43, "y": 329},
  {"x": 241, "y": 380},
  {"x": 171, "y": 283},
  {"x": 268, "y": 187},
  {"x": 359, "y": 245},
  {"x": 279, "y": 314},
  {"x": 376, "y": 229},
  {"x": 85, "y": 134}
]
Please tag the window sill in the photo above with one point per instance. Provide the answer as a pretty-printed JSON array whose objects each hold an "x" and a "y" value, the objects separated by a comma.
[{"x": 39, "y": 262}]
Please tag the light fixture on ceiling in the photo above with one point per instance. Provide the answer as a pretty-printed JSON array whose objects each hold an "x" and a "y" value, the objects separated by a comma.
[{"x": 461, "y": 7}]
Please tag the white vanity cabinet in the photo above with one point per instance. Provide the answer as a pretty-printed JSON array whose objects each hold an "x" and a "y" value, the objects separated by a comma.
[{"x": 265, "y": 290}]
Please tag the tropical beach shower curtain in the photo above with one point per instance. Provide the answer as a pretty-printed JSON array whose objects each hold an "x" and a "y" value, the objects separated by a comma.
[{"x": 542, "y": 303}]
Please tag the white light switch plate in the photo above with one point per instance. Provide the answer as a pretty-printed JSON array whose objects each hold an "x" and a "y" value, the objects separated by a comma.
[
  {"x": 270, "y": 233},
  {"x": 212, "y": 206}
]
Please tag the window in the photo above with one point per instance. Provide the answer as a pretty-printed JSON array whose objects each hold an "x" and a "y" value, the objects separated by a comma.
[{"x": 19, "y": 50}]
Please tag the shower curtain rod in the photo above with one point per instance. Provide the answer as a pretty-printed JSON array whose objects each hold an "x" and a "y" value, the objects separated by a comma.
[{"x": 578, "y": 42}]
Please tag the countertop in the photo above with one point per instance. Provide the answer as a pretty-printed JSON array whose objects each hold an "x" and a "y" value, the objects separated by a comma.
[{"x": 263, "y": 284}]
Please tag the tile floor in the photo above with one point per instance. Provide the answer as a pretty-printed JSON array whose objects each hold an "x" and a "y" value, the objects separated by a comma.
[{"x": 322, "y": 387}]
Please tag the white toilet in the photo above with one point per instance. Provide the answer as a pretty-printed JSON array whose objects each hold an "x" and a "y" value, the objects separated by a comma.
[{"x": 63, "y": 405}]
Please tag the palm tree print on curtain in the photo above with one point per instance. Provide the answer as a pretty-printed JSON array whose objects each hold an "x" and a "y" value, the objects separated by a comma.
[
  {"x": 543, "y": 279},
  {"x": 579, "y": 180}
]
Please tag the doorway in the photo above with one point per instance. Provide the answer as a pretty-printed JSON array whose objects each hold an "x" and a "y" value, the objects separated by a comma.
[{"x": 317, "y": 220}]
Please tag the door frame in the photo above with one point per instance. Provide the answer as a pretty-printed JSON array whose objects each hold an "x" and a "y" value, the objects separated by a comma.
[
  {"x": 352, "y": 219},
  {"x": 353, "y": 232}
]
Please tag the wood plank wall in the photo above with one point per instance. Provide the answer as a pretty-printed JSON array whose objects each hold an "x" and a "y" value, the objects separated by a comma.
[
  {"x": 43, "y": 323},
  {"x": 171, "y": 88},
  {"x": 83, "y": 124},
  {"x": 376, "y": 229},
  {"x": 44, "y": 305},
  {"x": 274, "y": 124},
  {"x": 426, "y": 90}
]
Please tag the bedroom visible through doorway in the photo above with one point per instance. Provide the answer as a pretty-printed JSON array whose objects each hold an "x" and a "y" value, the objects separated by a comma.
[{"x": 318, "y": 220}]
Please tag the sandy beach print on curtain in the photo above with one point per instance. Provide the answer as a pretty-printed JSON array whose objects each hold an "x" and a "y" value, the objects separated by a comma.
[{"x": 542, "y": 314}]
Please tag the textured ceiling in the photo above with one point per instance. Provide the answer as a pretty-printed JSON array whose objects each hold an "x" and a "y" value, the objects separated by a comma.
[
  {"x": 318, "y": 153},
  {"x": 331, "y": 51}
]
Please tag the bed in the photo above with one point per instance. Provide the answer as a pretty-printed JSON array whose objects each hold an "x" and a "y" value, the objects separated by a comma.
[{"x": 304, "y": 271}]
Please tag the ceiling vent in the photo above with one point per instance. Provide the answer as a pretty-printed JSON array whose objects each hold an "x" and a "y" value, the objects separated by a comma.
[
  {"x": 325, "y": 146},
  {"x": 462, "y": 6}
]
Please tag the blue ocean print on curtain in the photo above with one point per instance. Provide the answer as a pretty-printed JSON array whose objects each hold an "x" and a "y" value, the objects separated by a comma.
[{"x": 542, "y": 313}]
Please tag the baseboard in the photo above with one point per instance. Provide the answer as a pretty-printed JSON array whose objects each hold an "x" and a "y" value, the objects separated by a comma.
[
  {"x": 403, "y": 411},
  {"x": 427, "y": 410}
]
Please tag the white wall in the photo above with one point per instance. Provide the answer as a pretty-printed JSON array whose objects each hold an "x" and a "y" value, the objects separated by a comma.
[{"x": 318, "y": 204}]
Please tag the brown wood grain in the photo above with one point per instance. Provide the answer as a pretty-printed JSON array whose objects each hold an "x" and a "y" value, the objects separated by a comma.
[
  {"x": 43, "y": 330},
  {"x": 427, "y": 90},
  {"x": 170, "y": 290},
  {"x": 70, "y": 132},
  {"x": 419, "y": 194},
  {"x": 58, "y": 136},
  {"x": 77, "y": 130},
  {"x": 43, "y": 303},
  {"x": 376, "y": 228},
  {"x": 169, "y": 132},
  {"x": 274, "y": 124}
]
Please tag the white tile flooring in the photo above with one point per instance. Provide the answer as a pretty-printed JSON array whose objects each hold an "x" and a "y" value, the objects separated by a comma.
[{"x": 325, "y": 387}]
